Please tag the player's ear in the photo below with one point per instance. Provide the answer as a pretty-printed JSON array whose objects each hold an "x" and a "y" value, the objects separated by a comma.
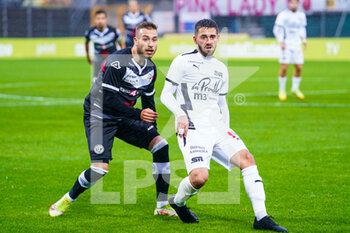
[
  {"x": 218, "y": 36},
  {"x": 195, "y": 39},
  {"x": 135, "y": 40}
]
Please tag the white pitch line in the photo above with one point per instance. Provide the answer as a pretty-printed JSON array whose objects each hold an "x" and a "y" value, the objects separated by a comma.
[
  {"x": 279, "y": 104},
  {"x": 36, "y": 98},
  {"x": 319, "y": 92},
  {"x": 33, "y": 104},
  {"x": 33, "y": 84}
]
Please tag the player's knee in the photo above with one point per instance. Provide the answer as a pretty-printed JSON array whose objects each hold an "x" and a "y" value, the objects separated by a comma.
[
  {"x": 90, "y": 176},
  {"x": 246, "y": 159},
  {"x": 103, "y": 165},
  {"x": 198, "y": 178}
]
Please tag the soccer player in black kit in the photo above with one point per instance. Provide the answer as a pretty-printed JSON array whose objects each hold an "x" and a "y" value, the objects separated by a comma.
[
  {"x": 104, "y": 38},
  {"x": 108, "y": 112}
]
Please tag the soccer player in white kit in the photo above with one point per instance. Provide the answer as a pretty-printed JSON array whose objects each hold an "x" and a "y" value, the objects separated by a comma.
[
  {"x": 202, "y": 125},
  {"x": 290, "y": 32}
]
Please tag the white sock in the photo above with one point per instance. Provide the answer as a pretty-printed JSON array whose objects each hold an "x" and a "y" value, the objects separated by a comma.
[
  {"x": 282, "y": 83},
  {"x": 184, "y": 192},
  {"x": 255, "y": 190},
  {"x": 160, "y": 204},
  {"x": 295, "y": 83}
]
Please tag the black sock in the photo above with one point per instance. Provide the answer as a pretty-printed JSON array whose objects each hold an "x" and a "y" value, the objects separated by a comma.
[
  {"x": 86, "y": 179},
  {"x": 161, "y": 172}
]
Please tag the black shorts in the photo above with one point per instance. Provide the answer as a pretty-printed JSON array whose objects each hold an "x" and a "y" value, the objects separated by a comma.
[{"x": 100, "y": 135}]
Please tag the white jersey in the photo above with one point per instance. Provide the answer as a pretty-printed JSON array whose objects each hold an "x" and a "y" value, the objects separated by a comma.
[
  {"x": 200, "y": 81},
  {"x": 290, "y": 28}
]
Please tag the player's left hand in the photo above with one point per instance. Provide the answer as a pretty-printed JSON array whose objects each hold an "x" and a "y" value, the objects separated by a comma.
[{"x": 149, "y": 115}]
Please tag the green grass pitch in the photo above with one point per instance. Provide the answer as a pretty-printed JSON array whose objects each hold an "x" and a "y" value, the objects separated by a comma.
[{"x": 301, "y": 147}]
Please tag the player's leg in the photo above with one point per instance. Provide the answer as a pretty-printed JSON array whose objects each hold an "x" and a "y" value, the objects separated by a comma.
[
  {"x": 296, "y": 81},
  {"x": 161, "y": 173},
  {"x": 282, "y": 80},
  {"x": 100, "y": 140},
  {"x": 255, "y": 189},
  {"x": 231, "y": 151},
  {"x": 144, "y": 135},
  {"x": 197, "y": 154}
]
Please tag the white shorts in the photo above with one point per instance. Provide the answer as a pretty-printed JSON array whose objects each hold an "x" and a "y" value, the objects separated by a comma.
[
  {"x": 202, "y": 145},
  {"x": 291, "y": 56}
]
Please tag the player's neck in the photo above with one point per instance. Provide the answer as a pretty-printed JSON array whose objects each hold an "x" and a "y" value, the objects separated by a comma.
[
  {"x": 204, "y": 55},
  {"x": 102, "y": 29},
  {"x": 137, "y": 57}
]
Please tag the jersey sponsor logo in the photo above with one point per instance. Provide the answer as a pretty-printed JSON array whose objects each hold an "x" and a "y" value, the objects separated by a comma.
[
  {"x": 116, "y": 65},
  {"x": 198, "y": 149},
  {"x": 197, "y": 62},
  {"x": 210, "y": 85},
  {"x": 200, "y": 96},
  {"x": 138, "y": 81},
  {"x": 133, "y": 93},
  {"x": 99, "y": 149},
  {"x": 128, "y": 91},
  {"x": 197, "y": 159}
]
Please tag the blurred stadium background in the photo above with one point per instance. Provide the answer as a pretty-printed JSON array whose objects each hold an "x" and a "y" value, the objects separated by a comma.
[
  {"x": 243, "y": 19},
  {"x": 302, "y": 147}
]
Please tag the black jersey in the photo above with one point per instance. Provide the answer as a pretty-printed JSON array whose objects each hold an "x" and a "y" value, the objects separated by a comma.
[
  {"x": 121, "y": 81},
  {"x": 104, "y": 42}
]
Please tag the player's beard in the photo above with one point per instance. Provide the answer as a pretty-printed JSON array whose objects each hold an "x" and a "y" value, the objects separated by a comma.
[{"x": 206, "y": 54}]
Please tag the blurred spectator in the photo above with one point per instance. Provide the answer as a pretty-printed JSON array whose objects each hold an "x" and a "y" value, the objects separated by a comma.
[{"x": 131, "y": 19}]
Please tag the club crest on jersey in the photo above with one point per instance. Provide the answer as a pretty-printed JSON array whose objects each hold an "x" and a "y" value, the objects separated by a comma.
[
  {"x": 99, "y": 149},
  {"x": 218, "y": 73},
  {"x": 116, "y": 64}
]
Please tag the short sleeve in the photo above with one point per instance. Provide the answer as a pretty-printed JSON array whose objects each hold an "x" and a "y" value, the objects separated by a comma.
[
  {"x": 175, "y": 71},
  {"x": 280, "y": 20},
  {"x": 87, "y": 36},
  {"x": 224, "y": 89}
]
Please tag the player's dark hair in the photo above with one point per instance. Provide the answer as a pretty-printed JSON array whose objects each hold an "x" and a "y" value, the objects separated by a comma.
[
  {"x": 205, "y": 23},
  {"x": 101, "y": 12},
  {"x": 147, "y": 25}
]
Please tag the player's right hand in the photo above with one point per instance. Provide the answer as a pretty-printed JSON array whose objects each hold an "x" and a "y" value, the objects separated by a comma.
[
  {"x": 149, "y": 115},
  {"x": 182, "y": 126},
  {"x": 283, "y": 45}
]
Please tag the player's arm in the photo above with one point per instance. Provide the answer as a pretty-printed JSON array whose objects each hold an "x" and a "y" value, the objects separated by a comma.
[
  {"x": 224, "y": 110},
  {"x": 87, "y": 40},
  {"x": 303, "y": 32},
  {"x": 279, "y": 31},
  {"x": 175, "y": 73},
  {"x": 168, "y": 99},
  {"x": 222, "y": 99}
]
